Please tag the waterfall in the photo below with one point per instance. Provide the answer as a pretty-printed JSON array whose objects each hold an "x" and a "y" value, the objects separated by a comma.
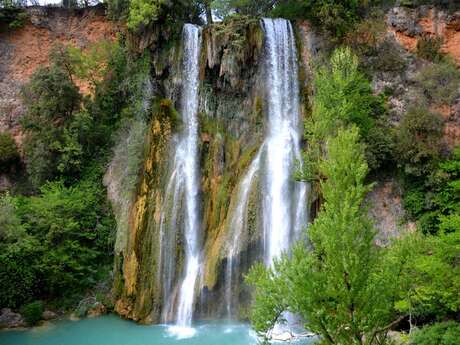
[
  {"x": 187, "y": 152},
  {"x": 182, "y": 192},
  {"x": 237, "y": 224},
  {"x": 284, "y": 201}
]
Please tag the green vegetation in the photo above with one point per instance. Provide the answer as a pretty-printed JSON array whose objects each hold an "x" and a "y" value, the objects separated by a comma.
[
  {"x": 428, "y": 48},
  {"x": 344, "y": 96},
  {"x": 445, "y": 333},
  {"x": 12, "y": 14},
  {"x": 339, "y": 286},
  {"x": 346, "y": 288},
  {"x": 32, "y": 312},
  {"x": 439, "y": 82},
  {"x": 58, "y": 242},
  {"x": 433, "y": 199},
  {"x": 8, "y": 152},
  {"x": 418, "y": 140}
]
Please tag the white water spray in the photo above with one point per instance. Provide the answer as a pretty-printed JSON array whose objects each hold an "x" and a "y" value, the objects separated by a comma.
[
  {"x": 284, "y": 208},
  {"x": 184, "y": 187},
  {"x": 284, "y": 201}
]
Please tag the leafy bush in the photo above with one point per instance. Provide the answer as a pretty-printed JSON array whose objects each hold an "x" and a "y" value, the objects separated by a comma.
[
  {"x": 335, "y": 17},
  {"x": 428, "y": 48},
  {"x": 143, "y": 12},
  {"x": 12, "y": 14},
  {"x": 418, "y": 140},
  {"x": 32, "y": 312},
  {"x": 8, "y": 151},
  {"x": 443, "y": 333},
  {"x": 435, "y": 201},
  {"x": 439, "y": 82},
  {"x": 379, "y": 147}
]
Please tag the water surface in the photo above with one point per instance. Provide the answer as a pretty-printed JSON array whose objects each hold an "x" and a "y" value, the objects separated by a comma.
[{"x": 111, "y": 330}]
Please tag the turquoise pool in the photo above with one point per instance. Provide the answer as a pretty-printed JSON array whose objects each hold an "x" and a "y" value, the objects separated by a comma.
[{"x": 111, "y": 330}]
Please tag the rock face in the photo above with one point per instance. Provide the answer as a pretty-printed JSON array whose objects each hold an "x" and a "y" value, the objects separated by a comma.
[
  {"x": 10, "y": 319},
  {"x": 232, "y": 125},
  {"x": 409, "y": 25}
]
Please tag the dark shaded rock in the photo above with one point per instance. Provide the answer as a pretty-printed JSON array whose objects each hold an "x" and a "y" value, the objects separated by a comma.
[
  {"x": 10, "y": 319},
  {"x": 403, "y": 20},
  {"x": 97, "y": 309},
  {"x": 49, "y": 315}
]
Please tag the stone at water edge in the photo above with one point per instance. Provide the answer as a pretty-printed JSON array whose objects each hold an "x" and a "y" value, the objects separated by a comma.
[
  {"x": 49, "y": 315},
  {"x": 10, "y": 319},
  {"x": 97, "y": 309},
  {"x": 285, "y": 336}
]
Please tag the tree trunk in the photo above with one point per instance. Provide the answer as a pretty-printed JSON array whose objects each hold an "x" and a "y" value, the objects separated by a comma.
[{"x": 208, "y": 12}]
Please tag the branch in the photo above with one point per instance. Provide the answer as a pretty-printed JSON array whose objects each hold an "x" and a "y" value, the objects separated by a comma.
[{"x": 385, "y": 328}]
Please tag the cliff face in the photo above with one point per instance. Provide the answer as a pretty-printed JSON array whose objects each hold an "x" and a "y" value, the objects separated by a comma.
[
  {"x": 24, "y": 50},
  {"x": 231, "y": 127}
]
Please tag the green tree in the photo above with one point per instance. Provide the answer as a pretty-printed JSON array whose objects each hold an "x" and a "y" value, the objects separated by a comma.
[
  {"x": 8, "y": 152},
  {"x": 144, "y": 12},
  {"x": 434, "y": 200},
  {"x": 443, "y": 333},
  {"x": 418, "y": 140},
  {"x": 342, "y": 96},
  {"x": 431, "y": 277},
  {"x": 337, "y": 283},
  {"x": 51, "y": 98}
]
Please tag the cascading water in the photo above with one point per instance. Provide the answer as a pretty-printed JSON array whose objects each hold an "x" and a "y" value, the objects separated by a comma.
[
  {"x": 284, "y": 202},
  {"x": 183, "y": 187},
  {"x": 284, "y": 208},
  {"x": 188, "y": 153},
  {"x": 237, "y": 224}
]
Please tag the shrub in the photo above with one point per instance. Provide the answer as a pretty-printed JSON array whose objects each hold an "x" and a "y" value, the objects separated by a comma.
[
  {"x": 428, "y": 48},
  {"x": 379, "y": 147},
  {"x": 439, "y": 82},
  {"x": 32, "y": 312},
  {"x": 12, "y": 15},
  {"x": 418, "y": 140},
  {"x": 388, "y": 58},
  {"x": 8, "y": 151},
  {"x": 443, "y": 333}
]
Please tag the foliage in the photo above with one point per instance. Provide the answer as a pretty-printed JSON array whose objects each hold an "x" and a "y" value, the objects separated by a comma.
[
  {"x": 224, "y": 8},
  {"x": 418, "y": 140},
  {"x": 435, "y": 200},
  {"x": 51, "y": 99},
  {"x": 32, "y": 312},
  {"x": 68, "y": 235},
  {"x": 59, "y": 240},
  {"x": 339, "y": 285},
  {"x": 439, "y": 82},
  {"x": 379, "y": 147},
  {"x": 62, "y": 131},
  {"x": 428, "y": 48},
  {"x": 143, "y": 12},
  {"x": 12, "y": 14},
  {"x": 343, "y": 96},
  {"x": 444, "y": 333},
  {"x": 335, "y": 17},
  {"x": 8, "y": 151},
  {"x": 433, "y": 276},
  {"x": 10, "y": 225}
]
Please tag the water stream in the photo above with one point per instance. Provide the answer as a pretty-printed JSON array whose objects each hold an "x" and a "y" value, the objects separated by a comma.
[
  {"x": 284, "y": 200},
  {"x": 183, "y": 190}
]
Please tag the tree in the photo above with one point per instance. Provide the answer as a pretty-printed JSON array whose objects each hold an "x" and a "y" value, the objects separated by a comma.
[
  {"x": 338, "y": 283},
  {"x": 8, "y": 152},
  {"x": 418, "y": 140}
]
